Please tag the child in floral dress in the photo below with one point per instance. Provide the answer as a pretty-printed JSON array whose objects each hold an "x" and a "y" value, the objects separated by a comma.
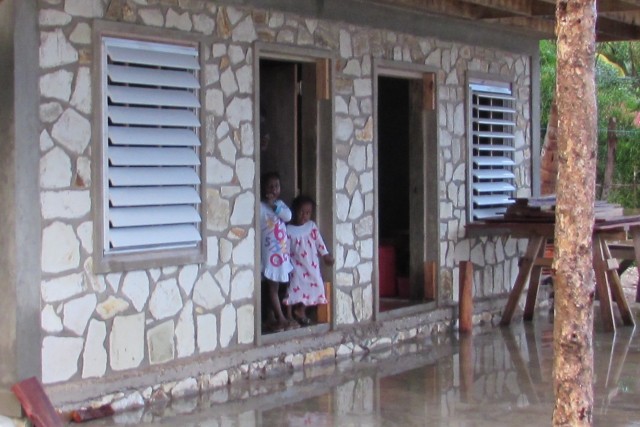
[
  {"x": 306, "y": 246},
  {"x": 275, "y": 262}
]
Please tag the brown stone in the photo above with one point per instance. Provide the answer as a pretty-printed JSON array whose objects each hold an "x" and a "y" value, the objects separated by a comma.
[
  {"x": 319, "y": 356},
  {"x": 239, "y": 232},
  {"x": 224, "y": 26}
]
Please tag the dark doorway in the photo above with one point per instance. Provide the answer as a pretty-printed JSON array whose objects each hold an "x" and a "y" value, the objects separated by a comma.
[{"x": 290, "y": 134}]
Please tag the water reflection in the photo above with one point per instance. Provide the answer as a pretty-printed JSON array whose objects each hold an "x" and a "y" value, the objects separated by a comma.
[{"x": 502, "y": 377}]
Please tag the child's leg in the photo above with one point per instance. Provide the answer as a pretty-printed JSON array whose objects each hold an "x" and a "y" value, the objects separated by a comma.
[{"x": 275, "y": 301}]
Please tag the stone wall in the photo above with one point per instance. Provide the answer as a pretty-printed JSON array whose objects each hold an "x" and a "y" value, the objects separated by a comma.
[{"x": 97, "y": 326}]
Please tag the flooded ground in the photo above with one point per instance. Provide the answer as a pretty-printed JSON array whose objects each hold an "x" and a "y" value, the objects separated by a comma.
[{"x": 497, "y": 378}]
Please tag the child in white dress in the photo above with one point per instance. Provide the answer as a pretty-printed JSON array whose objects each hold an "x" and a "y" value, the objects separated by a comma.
[
  {"x": 306, "y": 246},
  {"x": 275, "y": 261}
]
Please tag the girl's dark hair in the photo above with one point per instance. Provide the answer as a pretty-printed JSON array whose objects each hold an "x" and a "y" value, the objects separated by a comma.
[
  {"x": 264, "y": 179},
  {"x": 300, "y": 201}
]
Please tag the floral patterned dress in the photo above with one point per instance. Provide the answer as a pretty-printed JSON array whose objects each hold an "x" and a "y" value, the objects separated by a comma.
[
  {"x": 276, "y": 264},
  {"x": 306, "y": 246}
]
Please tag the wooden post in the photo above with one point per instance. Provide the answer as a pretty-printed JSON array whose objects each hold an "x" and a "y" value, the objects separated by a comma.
[
  {"x": 430, "y": 278},
  {"x": 466, "y": 297}
]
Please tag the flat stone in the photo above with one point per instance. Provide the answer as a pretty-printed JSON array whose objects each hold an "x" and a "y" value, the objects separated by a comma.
[
  {"x": 160, "y": 343},
  {"x": 185, "y": 332},
  {"x": 246, "y": 322},
  {"x": 218, "y": 172},
  {"x": 214, "y": 102},
  {"x": 56, "y": 85},
  {"x": 61, "y": 288},
  {"x": 72, "y": 131},
  {"x": 344, "y": 234},
  {"x": 60, "y": 358},
  {"x": 46, "y": 143},
  {"x": 219, "y": 212},
  {"x": 111, "y": 307},
  {"x": 207, "y": 332},
  {"x": 206, "y": 292},
  {"x": 344, "y": 128},
  {"x": 186, "y": 387},
  {"x": 165, "y": 300},
  {"x": 362, "y": 87},
  {"x": 223, "y": 277},
  {"x": 49, "y": 320},
  {"x": 53, "y": 18},
  {"x": 319, "y": 356},
  {"x": 152, "y": 17},
  {"x": 135, "y": 287},
  {"x": 244, "y": 76},
  {"x": 344, "y": 308},
  {"x": 247, "y": 139},
  {"x": 77, "y": 313},
  {"x": 244, "y": 32},
  {"x": 341, "y": 106},
  {"x": 179, "y": 21},
  {"x": 342, "y": 169},
  {"x": 243, "y": 209},
  {"x": 81, "y": 34},
  {"x": 243, "y": 253},
  {"x": 94, "y": 358},
  {"x": 227, "y": 325},
  {"x": 126, "y": 404},
  {"x": 352, "y": 259},
  {"x": 365, "y": 271},
  {"x": 204, "y": 24},
  {"x": 219, "y": 379},
  {"x": 126, "y": 342},
  {"x": 226, "y": 250},
  {"x": 366, "y": 134},
  {"x": 358, "y": 158},
  {"x": 245, "y": 170},
  {"x": 65, "y": 204},
  {"x": 345, "y": 44},
  {"x": 239, "y": 110},
  {"x": 60, "y": 248},
  {"x": 84, "y": 8},
  {"x": 364, "y": 227},
  {"x": 55, "y": 169},
  {"x": 55, "y": 50},
  {"x": 81, "y": 98},
  {"x": 228, "y": 82},
  {"x": 342, "y": 206},
  {"x": 187, "y": 277},
  {"x": 50, "y": 111},
  {"x": 357, "y": 206},
  {"x": 83, "y": 173},
  {"x": 227, "y": 150},
  {"x": 242, "y": 285}
]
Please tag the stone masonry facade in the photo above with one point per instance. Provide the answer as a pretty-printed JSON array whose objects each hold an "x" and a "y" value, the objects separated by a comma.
[{"x": 94, "y": 326}]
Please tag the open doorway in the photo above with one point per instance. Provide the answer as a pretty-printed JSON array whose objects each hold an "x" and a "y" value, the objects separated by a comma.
[
  {"x": 407, "y": 189},
  {"x": 292, "y": 107}
]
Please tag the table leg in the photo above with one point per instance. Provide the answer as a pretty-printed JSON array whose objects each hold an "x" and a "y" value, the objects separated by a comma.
[
  {"x": 602, "y": 288},
  {"x": 526, "y": 264},
  {"x": 616, "y": 288},
  {"x": 635, "y": 236},
  {"x": 534, "y": 284}
]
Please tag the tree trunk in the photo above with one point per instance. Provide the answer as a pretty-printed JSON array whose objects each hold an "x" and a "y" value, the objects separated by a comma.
[
  {"x": 549, "y": 155},
  {"x": 577, "y": 131},
  {"x": 612, "y": 142}
]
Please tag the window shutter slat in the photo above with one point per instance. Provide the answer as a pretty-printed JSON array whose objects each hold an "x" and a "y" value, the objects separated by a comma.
[
  {"x": 120, "y": 135},
  {"x": 492, "y": 122},
  {"x": 489, "y": 187},
  {"x": 187, "y": 59},
  {"x": 140, "y": 216},
  {"x": 153, "y": 117},
  {"x": 493, "y": 161},
  {"x": 149, "y": 196},
  {"x": 153, "y": 150},
  {"x": 152, "y": 77},
  {"x": 147, "y": 156},
  {"x": 143, "y": 237},
  {"x": 141, "y": 176},
  {"x": 156, "y": 97}
]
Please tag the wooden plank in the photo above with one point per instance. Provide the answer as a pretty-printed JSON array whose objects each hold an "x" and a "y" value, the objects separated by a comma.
[
  {"x": 526, "y": 264},
  {"x": 430, "y": 280},
  {"x": 602, "y": 287},
  {"x": 36, "y": 404},
  {"x": 635, "y": 236},
  {"x": 323, "y": 79},
  {"x": 534, "y": 284},
  {"x": 466, "y": 297},
  {"x": 324, "y": 310},
  {"x": 616, "y": 288},
  {"x": 429, "y": 91}
]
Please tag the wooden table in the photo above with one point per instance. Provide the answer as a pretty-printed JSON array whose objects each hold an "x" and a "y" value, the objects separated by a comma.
[{"x": 538, "y": 231}]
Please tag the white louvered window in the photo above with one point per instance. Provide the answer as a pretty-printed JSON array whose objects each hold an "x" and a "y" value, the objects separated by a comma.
[
  {"x": 491, "y": 149},
  {"x": 151, "y": 155}
]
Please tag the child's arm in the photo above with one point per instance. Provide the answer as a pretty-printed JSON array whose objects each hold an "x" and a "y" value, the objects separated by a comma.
[
  {"x": 328, "y": 259},
  {"x": 322, "y": 249},
  {"x": 282, "y": 210}
]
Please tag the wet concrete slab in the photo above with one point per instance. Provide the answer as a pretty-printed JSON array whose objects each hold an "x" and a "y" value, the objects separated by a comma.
[{"x": 500, "y": 377}]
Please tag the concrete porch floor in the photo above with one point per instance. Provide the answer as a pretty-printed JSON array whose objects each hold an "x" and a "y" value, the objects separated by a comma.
[{"x": 499, "y": 377}]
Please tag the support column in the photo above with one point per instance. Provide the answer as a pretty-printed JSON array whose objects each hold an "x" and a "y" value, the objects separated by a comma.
[{"x": 20, "y": 228}]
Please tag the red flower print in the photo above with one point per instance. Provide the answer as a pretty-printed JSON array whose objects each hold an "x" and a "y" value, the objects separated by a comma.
[
  {"x": 314, "y": 285},
  {"x": 314, "y": 233},
  {"x": 276, "y": 260}
]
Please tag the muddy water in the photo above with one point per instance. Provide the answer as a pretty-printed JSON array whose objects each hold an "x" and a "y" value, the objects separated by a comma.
[{"x": 497, "y": 378}]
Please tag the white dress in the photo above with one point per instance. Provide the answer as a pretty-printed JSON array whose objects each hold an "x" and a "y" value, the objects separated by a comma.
[
  {"x": 306, "y": 246},
  {"x": 276, "y": 264}
]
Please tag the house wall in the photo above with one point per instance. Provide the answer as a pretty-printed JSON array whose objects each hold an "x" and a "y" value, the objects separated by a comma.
[{"x": 132, "y": 327}]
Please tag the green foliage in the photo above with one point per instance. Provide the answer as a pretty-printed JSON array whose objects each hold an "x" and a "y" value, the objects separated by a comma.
[{"x": 618, "y": 96}]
